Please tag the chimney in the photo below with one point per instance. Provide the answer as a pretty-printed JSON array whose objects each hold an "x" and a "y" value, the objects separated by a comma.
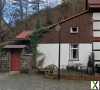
[{"x": 86, "y": 4}]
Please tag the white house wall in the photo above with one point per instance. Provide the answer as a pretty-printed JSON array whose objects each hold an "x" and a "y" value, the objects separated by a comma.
[
  {"x": 96, "y": 25},
  {"x": 84, "y": 52},
  {"x": 96, "y": 34},
  {"x": 97, "y": 55},
  {"x": 96, "y": 45},
  {"x": 96, "y": 16},
  {"x": 96, "y": 21},
  {"x": 64, "y": 55},
  {"x": 51, "y": 54}
]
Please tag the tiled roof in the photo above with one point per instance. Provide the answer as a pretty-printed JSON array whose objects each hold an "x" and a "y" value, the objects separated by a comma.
[
  {"x": 66, "y": 19},
  {"x": 25, "y": 35}
]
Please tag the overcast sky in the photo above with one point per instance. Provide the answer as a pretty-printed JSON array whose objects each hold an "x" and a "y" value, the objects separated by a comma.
[{"x": 52, "y": 3}]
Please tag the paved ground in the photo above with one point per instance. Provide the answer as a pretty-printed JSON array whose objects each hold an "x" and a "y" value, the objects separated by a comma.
[{"x": 37, "y": 82}]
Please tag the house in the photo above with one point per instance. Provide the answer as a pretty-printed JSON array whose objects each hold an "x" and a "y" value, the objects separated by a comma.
[
  {"x": 80, "y": 37},
  {"x": 75, "y": 41},
  {"x": 94, "y": 8},
  {"x": 77, "y": 37}
]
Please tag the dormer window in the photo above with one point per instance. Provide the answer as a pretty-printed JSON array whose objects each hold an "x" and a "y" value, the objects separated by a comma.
[{"x": 74, "y": 29}]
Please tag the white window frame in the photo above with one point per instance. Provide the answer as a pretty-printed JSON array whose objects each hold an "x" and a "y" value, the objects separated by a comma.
[
  {"x": 71, "y": 52},
  {"x": 71, "y": 30}
]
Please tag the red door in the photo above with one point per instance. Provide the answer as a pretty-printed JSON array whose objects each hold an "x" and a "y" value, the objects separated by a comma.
[{"x": 15, "y": 61}]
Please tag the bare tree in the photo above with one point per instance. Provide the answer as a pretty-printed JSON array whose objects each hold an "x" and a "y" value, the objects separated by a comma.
[
  {"x": 2, "y": 3},
  {"x": 2, "y": 32},
  {"x": 19, "y": 4},
  {"x": 48, "y": 14}
]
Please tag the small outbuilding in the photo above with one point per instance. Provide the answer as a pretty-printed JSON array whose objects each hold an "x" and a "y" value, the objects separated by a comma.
[{"x": 15, "y": 56}]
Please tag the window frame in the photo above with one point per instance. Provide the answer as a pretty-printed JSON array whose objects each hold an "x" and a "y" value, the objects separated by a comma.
[
  {"x": 71, "y": 52},
  {"x": 74, "y": 32}
]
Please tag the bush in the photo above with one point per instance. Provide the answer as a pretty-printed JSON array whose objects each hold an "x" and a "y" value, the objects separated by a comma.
[{"x": 24, "y": 70}]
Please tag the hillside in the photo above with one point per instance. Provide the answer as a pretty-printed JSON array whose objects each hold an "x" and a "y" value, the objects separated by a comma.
[{"x": 47, "y": 17}]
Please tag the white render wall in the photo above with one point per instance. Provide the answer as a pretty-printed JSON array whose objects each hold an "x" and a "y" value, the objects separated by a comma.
[
  {"x": 97, "y": 55},
  {"x": 96, "y": 25},
  {"x": 84, "y": 51},
  {"x": 96, "y": 33},
  {"x": 51, "y": 54},
  {"x": 96, "y": 16},
  {"x": 96, "y": 45},
  {"x": 96, "y": 21}
]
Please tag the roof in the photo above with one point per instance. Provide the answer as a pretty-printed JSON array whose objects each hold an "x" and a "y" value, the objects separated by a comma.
[
  {"x": 67, "y": 19},
  {"x": 94, "y": 3},
  {"x": 25, "y": 35},
  {"x": 15, "y": 46},
  {"x": 81, "y": 19}
]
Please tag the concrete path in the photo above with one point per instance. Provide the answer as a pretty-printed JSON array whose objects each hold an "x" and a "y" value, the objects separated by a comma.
[{"x": 38, "y": 82}]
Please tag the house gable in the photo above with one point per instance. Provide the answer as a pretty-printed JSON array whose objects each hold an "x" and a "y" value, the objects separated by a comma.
[{"x": 84, "y": 35}]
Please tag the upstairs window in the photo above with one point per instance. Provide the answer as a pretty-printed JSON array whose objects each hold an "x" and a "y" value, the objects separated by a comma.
[{"x": 74, "y": 29}]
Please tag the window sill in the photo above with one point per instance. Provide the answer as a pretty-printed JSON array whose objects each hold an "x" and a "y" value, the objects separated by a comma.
[
  {"x": 74, "y": 33},
  {"x": 74, "y": 60}
]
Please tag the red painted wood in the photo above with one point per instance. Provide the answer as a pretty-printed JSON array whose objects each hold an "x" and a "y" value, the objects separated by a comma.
[
  {"x": 15, "y": 61},
  {"x": 25, "y": 35},
  {"x": 96, "y": 39}
]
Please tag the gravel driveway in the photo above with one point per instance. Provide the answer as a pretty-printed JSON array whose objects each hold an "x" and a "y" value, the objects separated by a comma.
[{"x": 38, "y": 82}]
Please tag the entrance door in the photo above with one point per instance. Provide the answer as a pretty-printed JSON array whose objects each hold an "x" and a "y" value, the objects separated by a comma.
[{"x": 15, "y": 61}]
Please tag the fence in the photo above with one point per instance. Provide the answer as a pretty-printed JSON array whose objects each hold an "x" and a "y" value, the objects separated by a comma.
[{"x": 4, "y": 63}]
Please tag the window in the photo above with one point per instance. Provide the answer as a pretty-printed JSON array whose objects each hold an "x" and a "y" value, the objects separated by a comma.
[
  {"x": 74, "y": 29},
  {"x": 74, "y": 52}
]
